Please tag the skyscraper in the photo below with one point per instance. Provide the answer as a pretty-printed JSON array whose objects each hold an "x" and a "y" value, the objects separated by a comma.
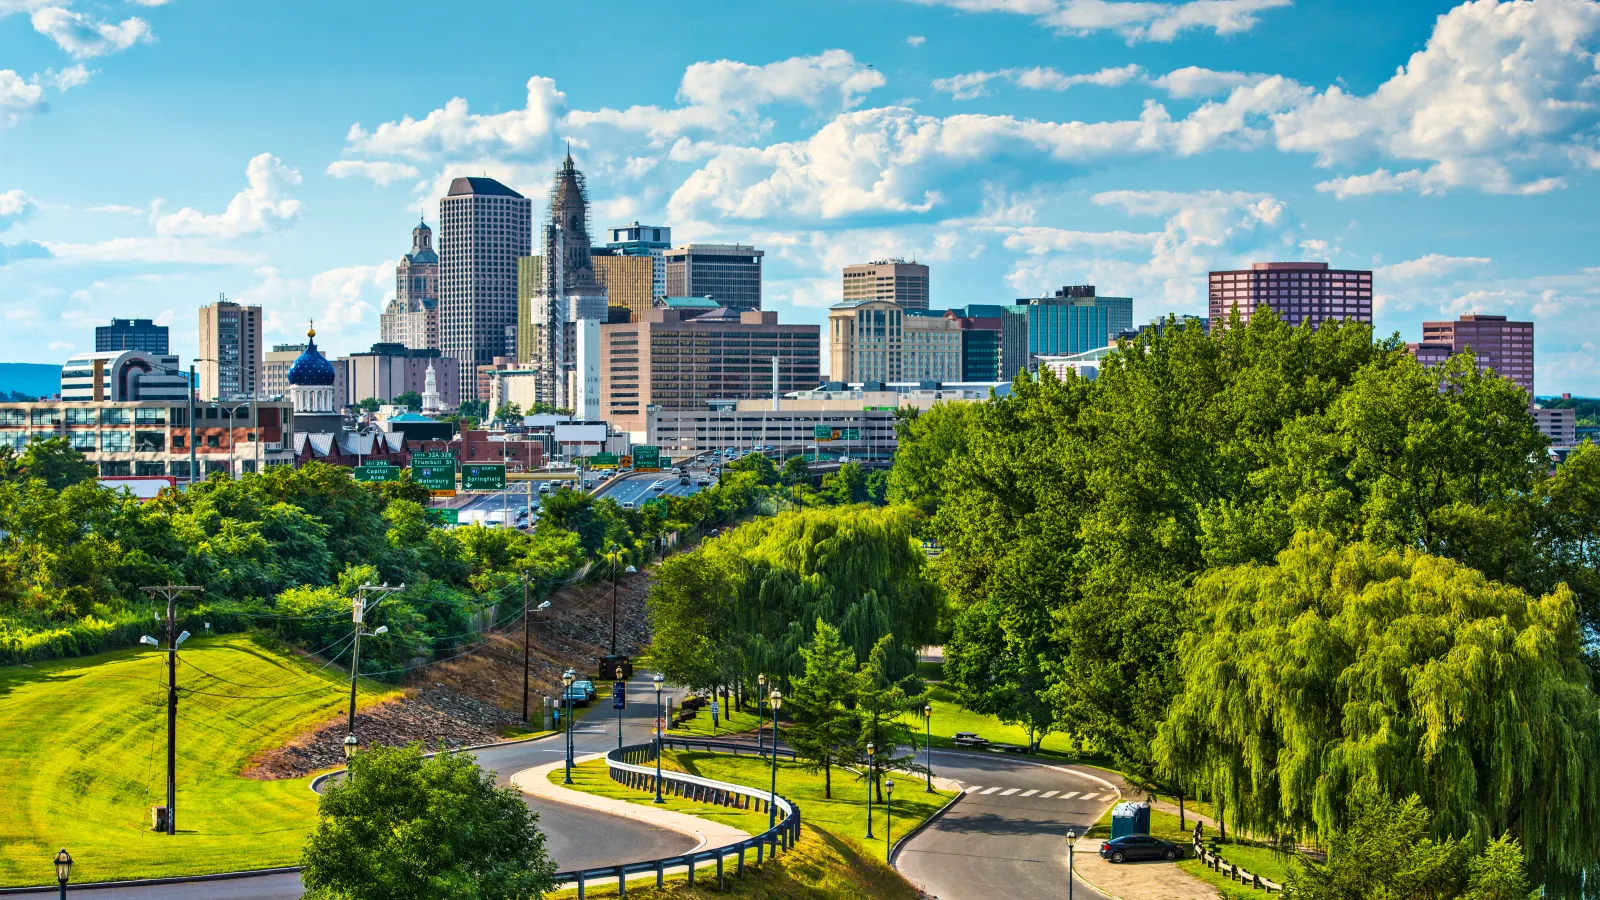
[
  {"x": 894, "y": 280},
  {"x": 412, "y": 318},
  {"x": 1296, "y": 291},
  {"x": 730, "y": 274},
  {"x": 230, "y": 357},
  {"x": 562, "y": 287},
  {"x": 1066, "y": 324},
  {"x": 1496, "y": 344},
  {"x": 628, "y": 281},
  {"x": 875, "y": 340},
  {"x": 484, "y": 227},
  {"x": 645, "y": 240},
  {"x": 131, "y": 334},
  {"x": 994, "y": 341}
]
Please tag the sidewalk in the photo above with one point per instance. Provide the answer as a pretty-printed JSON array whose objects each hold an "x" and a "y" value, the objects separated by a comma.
[
  {"x": 536, "y": 782},
  {"x": 1136, "y": 880}
]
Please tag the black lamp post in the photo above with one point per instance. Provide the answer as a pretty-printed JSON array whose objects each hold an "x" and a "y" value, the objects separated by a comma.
[
  {"x": 567, "y": 678},
  {"x": 1072, "y": 839},
  {"x": 888, "y": 818},
  {"x": 761, "y": 714},
  {"x": 870, "y": 748},
  {"x": 349, "y": 748},
  {"x": 927, "y": 741},
  {"x": 656, "y": 681},
  {"x": 772, "y": 794},
  {"x": 619, "y": 708},
  {"x": 63, "y": 870}
]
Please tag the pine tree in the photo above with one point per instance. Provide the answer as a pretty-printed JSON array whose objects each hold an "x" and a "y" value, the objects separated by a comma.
[
  {"x": 824, "y": 727},
  {"x": 882, "y": 707}
]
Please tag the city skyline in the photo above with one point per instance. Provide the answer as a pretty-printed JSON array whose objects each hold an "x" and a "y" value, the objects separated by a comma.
[{"x": 1172, "y": 145}]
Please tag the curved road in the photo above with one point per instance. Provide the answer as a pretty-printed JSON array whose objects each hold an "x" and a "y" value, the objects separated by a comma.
[{"x": 575, "y": 837}]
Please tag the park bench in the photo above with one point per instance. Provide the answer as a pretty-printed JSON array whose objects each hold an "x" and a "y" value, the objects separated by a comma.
[{"x": 968, "y": 739}]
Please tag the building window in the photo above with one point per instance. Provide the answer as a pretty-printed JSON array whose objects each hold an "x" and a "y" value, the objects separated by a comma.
[
  {"x": 47, "y": 417},
  {"x": 77, "y": 416},
  {"x": 115, "y": 442}
]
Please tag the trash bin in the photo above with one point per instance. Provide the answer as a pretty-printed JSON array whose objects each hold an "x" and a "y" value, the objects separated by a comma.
[
  {"x": 1130, "y": 818},
  {"x": 158, "y": 818}
]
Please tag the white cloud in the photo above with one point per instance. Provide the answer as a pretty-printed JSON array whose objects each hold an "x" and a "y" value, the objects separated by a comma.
[
  {"x": 118, "y": 209},
  {"x": 150, "y": 2},
  {"x": 1193, "y": 81},
  {"x": 382, "y": 173},
  {"x": 10, "y": 253},
  {"x": 16, "y": 207},
  {"x": 84, "y": 36},
  {"x": 1135, "y": 20},
  {"x": 60, "y": 346},
  {"x": 453, "y": 130},
  {"x": 1431, "y": 266},
  {"x": 1503, "y": 98},
  {"x": 151, "y": 250},
  {"x": 351, "y": 295},
  {"x": 916, "y": 40},
  {"x": 1037, "y": 78},
  {"x": 1037, "y": 240},
  {"x": 261, "y": 207},
  {"x": 831, "y": 79},
  {"x": 68, "y": 78},
  {"x": 18, "y": 97},
  {"x": 344, "y": 302}
]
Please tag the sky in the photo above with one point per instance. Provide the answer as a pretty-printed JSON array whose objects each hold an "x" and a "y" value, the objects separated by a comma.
[{"x": 155, "y": 154}]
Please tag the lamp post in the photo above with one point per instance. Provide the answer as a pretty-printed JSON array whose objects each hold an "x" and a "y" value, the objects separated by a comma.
[
  {"x": 1072, "y": 838},
  {"x": 358, "y": 613},
  {"x": 888, "y": 818},
  {"x": 619, "y": 707},
  {"x": 870, "y": 748},
  {"x": 350, "y": 746},
  {"x": 567, "y": 678},
  {"x": 772, "y": 794},
  {"x": 927, "y": 741},
  {"x": 630, "y": 570},
  {"x": 63, "y": 870},
  {"x": 761, "y": 715},
  {"x": 656, "y": 681}
]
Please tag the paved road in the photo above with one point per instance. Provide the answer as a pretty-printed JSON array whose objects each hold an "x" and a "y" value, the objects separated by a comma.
[
  {"x": 635, "y": 488},
  {"x": 575, "y": 837},
  {"x": 1008, "y": 835}
]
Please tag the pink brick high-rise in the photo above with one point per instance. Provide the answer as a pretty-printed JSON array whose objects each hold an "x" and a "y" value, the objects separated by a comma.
[
  {"x": 1296, "y": 291},
  {"x": 1505, "y": 347}
]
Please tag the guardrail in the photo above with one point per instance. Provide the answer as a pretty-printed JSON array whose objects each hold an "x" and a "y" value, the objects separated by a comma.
[
  {"x": 628, "y": 766},
  {"x": 1221, "y": 866},
  {"x": 734, "y": 747}
]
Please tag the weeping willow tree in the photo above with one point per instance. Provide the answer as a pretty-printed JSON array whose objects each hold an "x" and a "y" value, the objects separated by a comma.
[{"x": 1337, "y": 671}]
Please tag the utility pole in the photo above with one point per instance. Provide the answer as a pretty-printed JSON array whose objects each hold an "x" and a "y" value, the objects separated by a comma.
[
  {"x": 358, "y": 609},
  {"x": 193, "y": 458},
  {"x": 527, "y": 624},
  {"x": 171, "y": 592}
]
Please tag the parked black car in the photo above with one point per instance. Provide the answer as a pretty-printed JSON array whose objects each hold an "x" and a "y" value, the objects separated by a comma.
[{"x": 1138, "y": 846}]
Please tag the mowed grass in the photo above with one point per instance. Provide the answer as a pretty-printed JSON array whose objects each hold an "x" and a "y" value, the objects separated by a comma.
[
  {"x": 742, "y": 720},
  {"x": 950, "y": 717},
  {"x": 1254, "y": 857},
  {"x": 83, "y": 758}
]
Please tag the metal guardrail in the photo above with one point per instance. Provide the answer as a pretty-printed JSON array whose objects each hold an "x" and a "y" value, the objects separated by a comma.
[
  {"x": 1216, "y": 863},
  {"x": 735, "y": 747},
  {"x": 628, "y": 767}
]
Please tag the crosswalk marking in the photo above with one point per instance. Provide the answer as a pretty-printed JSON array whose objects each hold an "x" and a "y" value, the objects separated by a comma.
[
  {"x": 990, "y": 791},
  {"x": 1047, "y": 795},
  {"x": 1008, "y": 792},
  {"x": 1030, "y": 793},
  {"x": 1069, "y": 796}
]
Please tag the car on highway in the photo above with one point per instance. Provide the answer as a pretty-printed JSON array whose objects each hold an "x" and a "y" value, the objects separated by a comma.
[
  {"x": 544, "y": 487},
  {"x": 627, "y": 504},
  {"x": 1138, "y": 846},
  {"x": 703, "y": 481},
  {"x": 588, "y": 483},
  {"x": 658, "y": 485}
]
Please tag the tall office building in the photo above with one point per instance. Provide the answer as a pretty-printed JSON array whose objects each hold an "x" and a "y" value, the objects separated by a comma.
[
  {"x": 690, "y": 351},
  {"x": 875, "y": 340},
  {"x": 1064, "y": 324},
  {"x": 730, "y": 274},
  {"x": 559, "y": 287},
  {"x": 645, "y": 240},
  {"x": 412, "y": 318},
  {"x": 629, "y": 281},
  {"x": 1504, "y": 347},
  {"x": 131, "y": 334},
  {"x": 389, "y": 370},
  {"x": 894, "y": 280},
  {"x": 484, "y": 227},
  {"x": 1297, "y": 291},
  {"x": 994, "y": 341},
  {"x": 1119, "y": 310},
  {"x": 230, "y": 357}
]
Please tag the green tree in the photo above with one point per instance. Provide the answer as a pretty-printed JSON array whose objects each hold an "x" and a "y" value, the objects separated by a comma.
[
  {"x": 796, "y": 470},
  {"x": 993, "y": 677},
  {"x": 823, "y": 729},
  {"x": 882, "y": 705},
  {"x": 370, "y": 404},
  {"x": 758, "y": 464},
  {"x": 50, "y": 459},
  {"x": 846, "y": 486},
  {"x": 1499, "y": 872},
  {"x": 928, "y": 442},
  {"x": 405, "y": 827},
  {"x": 508, "y": 411},
  {"x": 411, "y": 400},
  {"x": 1385, "y": 854}
]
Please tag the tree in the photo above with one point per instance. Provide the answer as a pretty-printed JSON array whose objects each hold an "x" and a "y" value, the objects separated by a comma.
[
  {"x": 764, "y": 469},
  {"x": 410, "y": 400},
  {"x": 370, "y": 404},
  {"x": 882, "y": 705},
  {"x": 473, "y": 409},
  {"x": 927, "y": 443},
  {"x": 1411, "y": 674},
  {"x": 403, "y": 827},
  {"x": 993, "y": 677},
  {"x": 51, "y": 459},
  {"x": 507, "y": 411},
  {"x": 796, "y": 470},
  {"x": 846, "y": 486},
  {"x": 823, "y": 728}
]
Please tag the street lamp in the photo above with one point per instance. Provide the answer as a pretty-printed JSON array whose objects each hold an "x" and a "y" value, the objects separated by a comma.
[
  {"x": 772, "y": 796},
  {"x": 761, "y": 714},
  {"x": 656, "y": 681},
  {"x": 63, "y": 870},
  {"x": 927, "y": 731},
  {"x": 349, "y": 747},
  {"x": 1072, "y": 838},
  {"x": 567, "y": 678},
  {"x": 870, "y": 749},
  {"x": 619, "y": 705},
  {"x": 629, "y": 570},
  {"x": 888, "y": 818}
]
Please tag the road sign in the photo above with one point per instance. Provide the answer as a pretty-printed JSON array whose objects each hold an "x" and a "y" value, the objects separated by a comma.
[
  {"x": 444, "y": 516},
  {"x": 713, "y": 714},
  {"x": 603, "y": 461},
  {"x": 646, "y": 457},
  {"x": 656, "y": 501},
  {"x": 619, "y": 695},
  {"x": 852, "y": 434},
  {"x": 377, "y": 472},
  {"x": 483, "y": 477},
  {"x": 435, "y": 476},
  {"x": 435, "y": 457}
]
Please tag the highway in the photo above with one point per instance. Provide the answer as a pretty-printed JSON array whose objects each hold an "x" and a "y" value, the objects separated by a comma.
[
  {"x": 574, "y": 837},
  {"x": 1007, "y": 836}
]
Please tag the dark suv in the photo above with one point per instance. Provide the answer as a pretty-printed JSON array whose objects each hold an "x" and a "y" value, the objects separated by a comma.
[{"x": 1138, "y": 846}]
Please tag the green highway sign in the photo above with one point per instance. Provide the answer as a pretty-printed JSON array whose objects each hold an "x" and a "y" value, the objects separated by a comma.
[
  {"x": 851, "y": 434},
  {"x": 434, "y": 476},
  {"x": 646, "y": 457},
  {"x": 603, "y": 461},
  {"x": 483, "y": 477},
  {"x": 656, "y": 501},
  {"x": 377, "y": 472},
  {"x": 821, "y": 433},
  {"x": 433, "y": 457},
  {"x": 444, "y": 516}
]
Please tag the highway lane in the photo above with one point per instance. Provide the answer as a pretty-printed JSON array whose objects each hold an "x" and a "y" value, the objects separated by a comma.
[
  {"x": 1007, "y": 836},
  {"x": 575, "y": 837}
]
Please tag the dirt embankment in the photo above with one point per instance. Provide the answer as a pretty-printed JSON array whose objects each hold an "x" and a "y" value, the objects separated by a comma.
[{"x": 477, "y": 697}]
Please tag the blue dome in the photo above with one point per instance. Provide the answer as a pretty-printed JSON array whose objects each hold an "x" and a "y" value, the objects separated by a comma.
[{"x": 312, "y": 368}]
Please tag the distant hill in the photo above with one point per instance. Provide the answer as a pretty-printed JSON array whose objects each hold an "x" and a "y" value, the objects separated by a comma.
[{"x": 32, "y": 379}]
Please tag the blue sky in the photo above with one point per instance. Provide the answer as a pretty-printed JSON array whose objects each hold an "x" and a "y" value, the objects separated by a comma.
[{"x": 155, "y": 154}]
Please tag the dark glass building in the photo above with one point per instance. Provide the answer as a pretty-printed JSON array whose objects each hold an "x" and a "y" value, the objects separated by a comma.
[{"x": 131, "y": 334}]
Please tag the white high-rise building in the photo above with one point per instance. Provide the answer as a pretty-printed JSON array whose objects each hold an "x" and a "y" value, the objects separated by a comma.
[
  {"x": 483, "y": 227},
  {"x": 412, "y": 317}
]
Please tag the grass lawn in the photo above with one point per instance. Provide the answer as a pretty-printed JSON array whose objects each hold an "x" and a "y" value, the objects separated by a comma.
[
  {"x": 1253, "y": 856},
  {"x": 950, "y": 717},
  {"x": 83, "y": 758},
  {"x": 742, "y": 720}
]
